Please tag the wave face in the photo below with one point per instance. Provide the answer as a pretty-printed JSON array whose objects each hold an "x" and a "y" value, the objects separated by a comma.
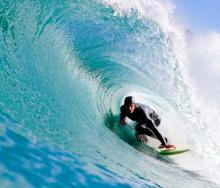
[{"x": 65, "y": 69}]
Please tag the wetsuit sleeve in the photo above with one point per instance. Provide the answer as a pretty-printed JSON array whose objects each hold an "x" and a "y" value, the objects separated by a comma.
[{"x": 122, "y": 114}]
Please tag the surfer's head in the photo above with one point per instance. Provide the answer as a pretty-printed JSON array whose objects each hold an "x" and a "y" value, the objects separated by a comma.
[{"x": 129, "y": 103}]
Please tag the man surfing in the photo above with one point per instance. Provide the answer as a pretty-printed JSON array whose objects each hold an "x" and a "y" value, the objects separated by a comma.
[{"x": 146, "y": 118}]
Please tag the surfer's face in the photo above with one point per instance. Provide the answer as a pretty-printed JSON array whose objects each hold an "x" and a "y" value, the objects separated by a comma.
[{"x": 131, "y": 107}]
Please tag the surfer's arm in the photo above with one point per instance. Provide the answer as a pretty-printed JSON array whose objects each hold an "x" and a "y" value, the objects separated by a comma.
[{"x": 122, "y": 117}]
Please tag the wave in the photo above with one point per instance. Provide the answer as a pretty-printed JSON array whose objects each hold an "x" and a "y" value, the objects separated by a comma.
[{"x": 65, "y": 69}]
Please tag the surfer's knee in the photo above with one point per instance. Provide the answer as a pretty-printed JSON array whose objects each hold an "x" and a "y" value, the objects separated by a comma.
[
  {"x": 138, "y": 128},
  {"x": 156, "y": 118}
]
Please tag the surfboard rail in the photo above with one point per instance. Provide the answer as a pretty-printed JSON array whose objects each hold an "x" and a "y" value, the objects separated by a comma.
[{"x": 172, "y": 151}]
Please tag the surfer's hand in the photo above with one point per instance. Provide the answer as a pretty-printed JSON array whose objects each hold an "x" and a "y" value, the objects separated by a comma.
[{"x": 123, "y": 122}]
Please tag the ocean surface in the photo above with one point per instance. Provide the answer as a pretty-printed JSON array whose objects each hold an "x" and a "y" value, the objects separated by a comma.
[{"x": 65, "y": 68}]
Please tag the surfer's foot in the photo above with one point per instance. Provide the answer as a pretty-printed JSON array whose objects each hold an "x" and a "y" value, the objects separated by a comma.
[
  {"x": 138, "y": 137},
  {"x": 167, "y": 146},
  {"x": 161, "y": 146},
  {"x": 170, "y": 146}
]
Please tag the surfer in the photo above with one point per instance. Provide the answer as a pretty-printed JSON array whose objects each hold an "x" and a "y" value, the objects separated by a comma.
[{"x": 146, "y": 118}]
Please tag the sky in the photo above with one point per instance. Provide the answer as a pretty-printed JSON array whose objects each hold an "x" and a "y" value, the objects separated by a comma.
[
  {"x": 202, "y": 19},
  {"x": 199, "y": 15}
]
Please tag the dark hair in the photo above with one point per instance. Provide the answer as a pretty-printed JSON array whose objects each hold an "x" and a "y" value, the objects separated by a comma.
[{"x": 129, "y": 100}]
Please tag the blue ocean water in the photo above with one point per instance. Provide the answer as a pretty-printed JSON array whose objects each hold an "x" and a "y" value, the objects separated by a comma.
[{"x": 66, "y": 67}]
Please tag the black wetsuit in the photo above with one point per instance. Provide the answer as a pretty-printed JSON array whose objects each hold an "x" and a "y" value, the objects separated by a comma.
[{"x": 145, "y": 125}]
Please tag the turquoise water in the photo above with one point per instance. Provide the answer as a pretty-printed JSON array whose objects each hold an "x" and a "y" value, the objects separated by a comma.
[{"x": 65, "y": 69}]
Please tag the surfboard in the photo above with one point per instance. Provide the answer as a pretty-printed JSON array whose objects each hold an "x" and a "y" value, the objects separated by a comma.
[
  {"x": 154, "y": 143},
  {"x": 172, "y": 151}
]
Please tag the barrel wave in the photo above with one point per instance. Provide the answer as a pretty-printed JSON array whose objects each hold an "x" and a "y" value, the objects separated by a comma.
[{"x": 66, "y": 67}]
